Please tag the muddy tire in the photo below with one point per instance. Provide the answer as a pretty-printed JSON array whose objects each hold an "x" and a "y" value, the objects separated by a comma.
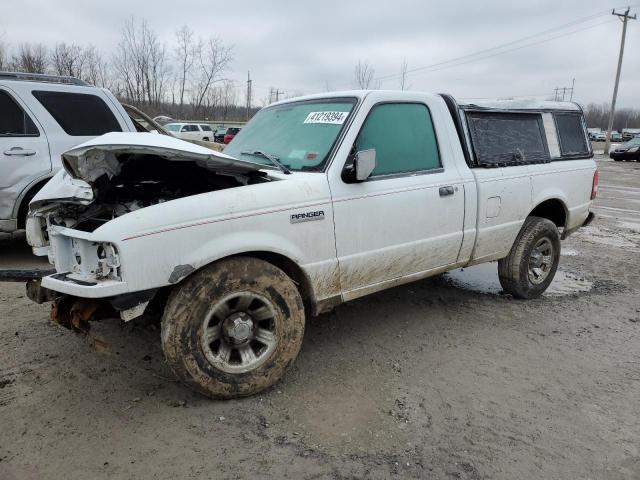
[
  {"x": 233, "y": 328},
  {"x": 533, "y": 260}
]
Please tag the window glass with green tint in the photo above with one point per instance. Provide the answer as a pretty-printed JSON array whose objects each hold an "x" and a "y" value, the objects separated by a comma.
[
  {"x": 299, "y": 134},
  {"x": 403, "y": 137}
]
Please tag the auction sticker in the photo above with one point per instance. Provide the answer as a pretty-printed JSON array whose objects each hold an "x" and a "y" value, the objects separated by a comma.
[{"x": 326, "y": 117}]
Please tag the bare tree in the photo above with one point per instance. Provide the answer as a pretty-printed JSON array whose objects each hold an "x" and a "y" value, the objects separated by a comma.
[
  {"x": 30, "y": 58},
  {"x": 213, "y": 58},
  {"x": 141, "y": 65},
  {"x": 228, "y": 97},
  {"x": 4, "y": 54},
  {"x": 185, "y": 51},
  {"x": 598, "y": 116},
  {"x": 96, "y": 70},
  {"x": 68, "y": 59},
  {"x": 363, "y": 75},
  {"x": 403, "y": 75}
]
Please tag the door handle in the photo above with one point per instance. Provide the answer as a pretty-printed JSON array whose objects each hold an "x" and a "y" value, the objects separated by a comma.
[
  {"x": 18, "y": 151},
  {"x": 448, "y": 190}
]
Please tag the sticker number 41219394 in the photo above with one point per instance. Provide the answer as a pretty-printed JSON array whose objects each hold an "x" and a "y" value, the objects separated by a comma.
[{"x": 326, "y": 117}]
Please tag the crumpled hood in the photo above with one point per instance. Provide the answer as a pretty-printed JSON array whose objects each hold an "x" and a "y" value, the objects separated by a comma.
[
  {"x": 99, "y": 156},
  {"x": 87, "y": 162}
]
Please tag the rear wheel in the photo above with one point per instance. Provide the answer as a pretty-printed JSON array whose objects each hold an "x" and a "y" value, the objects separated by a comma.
[
  {"x": 533, "y": 260},
  {"x": 234, "y": 328}
]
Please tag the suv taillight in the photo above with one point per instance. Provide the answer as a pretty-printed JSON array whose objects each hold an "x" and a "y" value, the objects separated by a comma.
[{"x": 594, "y": 186}]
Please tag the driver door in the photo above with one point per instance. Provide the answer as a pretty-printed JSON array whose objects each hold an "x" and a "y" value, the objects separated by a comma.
[{"x": 407, "y": 217}]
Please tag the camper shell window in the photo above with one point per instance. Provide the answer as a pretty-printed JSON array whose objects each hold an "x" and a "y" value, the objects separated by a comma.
[
  {"x": 507, "y": 138},
  {"x": 573, "y": 141}
]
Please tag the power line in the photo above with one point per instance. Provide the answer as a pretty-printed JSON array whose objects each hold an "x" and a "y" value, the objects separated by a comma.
[
  {"x": 450, "y": 63},
  {"x": 503, "y": 45}
]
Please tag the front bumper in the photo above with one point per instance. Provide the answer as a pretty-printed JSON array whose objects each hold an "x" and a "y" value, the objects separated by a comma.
[{"x": 60, "y": 282}]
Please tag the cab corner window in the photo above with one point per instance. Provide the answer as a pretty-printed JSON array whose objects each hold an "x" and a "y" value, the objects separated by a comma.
[
  {"x": 403, "y": 136},
  {"x": 14, "y": 122},
  {"x": 79, "y": 114}
]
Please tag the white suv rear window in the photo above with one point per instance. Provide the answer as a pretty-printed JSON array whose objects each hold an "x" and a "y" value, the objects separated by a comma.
[{"x": 79, "y": 114}]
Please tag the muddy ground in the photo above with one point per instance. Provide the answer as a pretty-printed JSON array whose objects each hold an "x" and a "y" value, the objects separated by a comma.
[{"x": 444, "y": 378}]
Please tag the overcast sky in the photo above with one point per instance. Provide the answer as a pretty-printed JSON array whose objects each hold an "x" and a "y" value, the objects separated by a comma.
[{"x": 303, "y": 46}]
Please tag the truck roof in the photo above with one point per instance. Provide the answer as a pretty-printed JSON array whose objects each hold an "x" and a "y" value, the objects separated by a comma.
[
  {"x": 494, "y": 104},
  {"x": 520, "y": 104}
]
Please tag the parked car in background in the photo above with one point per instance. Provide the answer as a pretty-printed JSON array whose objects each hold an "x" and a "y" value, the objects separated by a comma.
[
  {"x": 599, "y": 137},
  {"x": 207, "y": 132},
  {"x": 627, "y": 151},
  {"x": 190, "y": 131},
  {"x": 629, "y": 133},
  {"x": 320, "y": 200},
  {"x": 218, "y": 136},
  {"x": 42, "y": 116},
  {"x": 593, "y": 132},
  {"x": 616, "y": 137},
  {"x": 231, "y": 132}
]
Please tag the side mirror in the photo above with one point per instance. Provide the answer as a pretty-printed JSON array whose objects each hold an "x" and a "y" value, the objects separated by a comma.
[{"x": 364, "y": 164}]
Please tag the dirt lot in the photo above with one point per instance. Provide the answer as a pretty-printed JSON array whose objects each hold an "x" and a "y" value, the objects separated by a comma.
[{"x": 444, "y": 378}]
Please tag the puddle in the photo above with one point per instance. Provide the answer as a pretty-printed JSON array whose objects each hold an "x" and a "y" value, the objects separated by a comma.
[{"x": 483, "y": 278}]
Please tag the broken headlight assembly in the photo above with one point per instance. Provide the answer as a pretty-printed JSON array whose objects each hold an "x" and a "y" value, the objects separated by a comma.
[{"x": 85, "y": 260}]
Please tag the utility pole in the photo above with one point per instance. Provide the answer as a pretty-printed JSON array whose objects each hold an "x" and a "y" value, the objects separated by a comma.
[
  {"x": 278, "y": 93},
  {"x": 248, "y": 94},
  {"x": 624, "y": 17}
]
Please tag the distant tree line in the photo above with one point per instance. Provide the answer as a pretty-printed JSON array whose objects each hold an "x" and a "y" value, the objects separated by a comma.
[
  {"x": 189, "y": 81},
  {"x": 186, "y": 82},
  {"x": 597, "y": 116}
]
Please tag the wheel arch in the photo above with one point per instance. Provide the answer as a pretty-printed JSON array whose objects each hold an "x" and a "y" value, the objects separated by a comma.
[
  {"x": 284, "y": 263},
  {"x": 553, "y": 209},
  {"x": 293, "y": 270}
]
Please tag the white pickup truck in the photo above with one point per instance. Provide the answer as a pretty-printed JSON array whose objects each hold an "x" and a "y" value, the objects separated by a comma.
[{"x": 318, "y": 201}]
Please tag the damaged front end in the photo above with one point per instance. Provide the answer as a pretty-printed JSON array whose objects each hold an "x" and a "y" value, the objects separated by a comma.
[{"x": 106, "y": 179}]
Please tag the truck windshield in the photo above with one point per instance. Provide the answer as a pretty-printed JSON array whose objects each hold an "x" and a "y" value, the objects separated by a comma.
[{"x": 299, "y": 134}]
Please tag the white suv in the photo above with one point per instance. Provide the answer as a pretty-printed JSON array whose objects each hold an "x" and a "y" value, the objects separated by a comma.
[
  {"x": 191, "y": 131},
  {"x": 42, "y": 116}
]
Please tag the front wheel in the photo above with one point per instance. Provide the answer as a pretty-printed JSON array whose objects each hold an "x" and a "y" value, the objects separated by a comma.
[
  {"x": 234, "y": 328},
  {"x": 533, "y": 260}
]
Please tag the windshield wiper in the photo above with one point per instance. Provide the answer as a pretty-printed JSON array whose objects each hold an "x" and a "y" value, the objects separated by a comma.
[{"x": 272, "y": 158}]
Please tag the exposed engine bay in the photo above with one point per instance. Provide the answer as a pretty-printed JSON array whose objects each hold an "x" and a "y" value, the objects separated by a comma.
[{"x": 143, "y": 180}]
